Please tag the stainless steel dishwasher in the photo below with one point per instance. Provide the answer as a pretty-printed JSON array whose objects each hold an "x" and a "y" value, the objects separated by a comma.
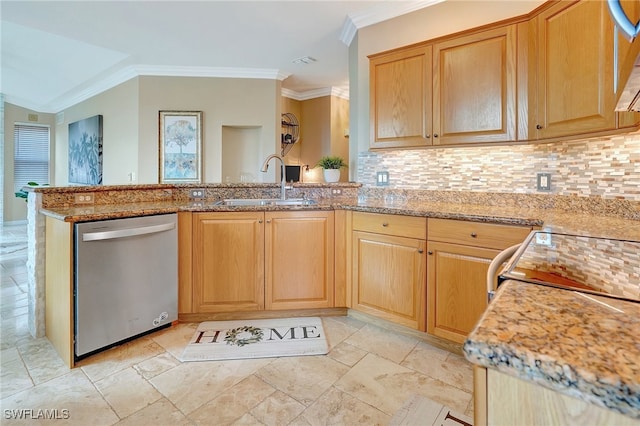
[{"x": 126, "y": 279}]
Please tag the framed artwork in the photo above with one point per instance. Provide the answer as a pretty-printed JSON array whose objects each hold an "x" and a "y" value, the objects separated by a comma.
[
  {"x": 85, "y": 151},
  {"x": 180, "y": 146}
]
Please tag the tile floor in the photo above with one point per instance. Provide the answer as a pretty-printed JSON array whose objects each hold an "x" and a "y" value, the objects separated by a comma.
[{"x": 367, "y": 376}]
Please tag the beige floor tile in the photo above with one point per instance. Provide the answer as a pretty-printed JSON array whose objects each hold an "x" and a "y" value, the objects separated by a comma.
[
  {"x": 192, "y": 384},
  {"x": 14, "y": 331},
  {"x": 442, "y": 365},
  {"x": 14, "y": 378},
  {"x": 152, "y": 367},
  {"x": 347, "y": 354},
  {"x": 304, "y": 378},
  {"x": 337, "y": 331},
  {"x": 386, "y": 386},
  {"x": 277, "y": 409},
  {"x": 73, "y": 392},
  {"x": 42, "y": 360},
  {"x": 9, "y": 355},
  {"x": 127, "y": 392},
  {"x": 106, "y": 363},
  {"x": 160, "y": 413},
  {"x": 247, "y": 420},
  {"x": 174, "y": 339},
  {"x": 338, "y": 408},
  {"x": 384, "y": 343},
  {"x": 232, "y": 404}
]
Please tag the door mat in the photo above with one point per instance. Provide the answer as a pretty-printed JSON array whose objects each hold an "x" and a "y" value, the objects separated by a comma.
[
  {"x": 265, "y": 338},
  {"x": 423, "y": 411}
]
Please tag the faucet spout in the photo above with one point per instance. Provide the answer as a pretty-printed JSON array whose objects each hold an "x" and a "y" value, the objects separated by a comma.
[{"x": 265, "y": 167}]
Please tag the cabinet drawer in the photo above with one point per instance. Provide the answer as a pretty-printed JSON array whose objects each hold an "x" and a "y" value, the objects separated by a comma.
[
  {"x": 390, "y": 224},
  {"x": 488, "y": 235}
]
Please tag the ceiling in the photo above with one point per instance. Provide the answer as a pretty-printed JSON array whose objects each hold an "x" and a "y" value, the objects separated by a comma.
[{"x": 58, "y": 53}]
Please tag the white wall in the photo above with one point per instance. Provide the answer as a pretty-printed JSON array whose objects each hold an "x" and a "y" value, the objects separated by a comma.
[
  {"x": 224, "y": 102},
  {"x": 119, "y": 109}
]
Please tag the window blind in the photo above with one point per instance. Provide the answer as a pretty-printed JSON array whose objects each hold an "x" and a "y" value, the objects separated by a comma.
[{"x": 31, "y": 155}]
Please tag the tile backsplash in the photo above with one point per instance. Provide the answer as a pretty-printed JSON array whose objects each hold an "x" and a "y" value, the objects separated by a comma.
[{"x": 607, "y": 167}]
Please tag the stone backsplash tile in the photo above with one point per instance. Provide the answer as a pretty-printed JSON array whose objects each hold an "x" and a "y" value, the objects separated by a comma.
[{"x": 606, "y": 167}]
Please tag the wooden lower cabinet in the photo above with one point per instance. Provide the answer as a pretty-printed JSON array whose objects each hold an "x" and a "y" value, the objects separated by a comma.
[
  {"x": 389, "y": 278},
  {"x": 457, "y": 293},
  {"x": 250, "y": 261},
  {"x": 459, "y": 254},
  {"x": 299, "y": 248},
  {"x": 500, "y": 399},
  {"x": 228, "y": 261}
]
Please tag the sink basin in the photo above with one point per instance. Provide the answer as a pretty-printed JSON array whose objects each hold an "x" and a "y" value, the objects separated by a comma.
[{"x": 265, "y": 202}]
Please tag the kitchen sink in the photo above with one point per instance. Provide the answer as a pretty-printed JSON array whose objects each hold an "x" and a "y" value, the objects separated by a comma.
[{"x": 265, "y": 202}]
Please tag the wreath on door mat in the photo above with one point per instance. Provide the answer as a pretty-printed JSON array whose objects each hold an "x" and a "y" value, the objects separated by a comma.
[{"x": 232, "y": 337}]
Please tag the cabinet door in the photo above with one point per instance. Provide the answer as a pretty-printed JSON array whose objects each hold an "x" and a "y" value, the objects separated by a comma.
[
  {"x": 400, "y": 98},
  {"x": 575, "y": 70},
  {"x": 474, "y": 92},
  {"x": 457, "y": 289},
  {"x": 299, "y": 249},
  {"x": 389, "y": 278},
  {"x": 228, "y": 259},
  {"x": 626, "y": 52}
]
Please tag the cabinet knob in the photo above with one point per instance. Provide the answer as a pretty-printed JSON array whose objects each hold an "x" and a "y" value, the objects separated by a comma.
[
  {"x": 538, "y": 126},
  {"x": 429, "y": 252},
  {"x": 427, "y": 136},
  {"x": 268, "y": 220},
  {"x": 420, "y": 251},
  {"x": 385, "y": 224},
  {"x": 260, "y": 221},
  {"x": 435, "y": 135},
  {"x": 474, "y": 235}
]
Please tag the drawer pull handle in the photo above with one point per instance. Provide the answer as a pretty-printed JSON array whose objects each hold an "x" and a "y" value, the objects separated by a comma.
[
  {"x": 385, "y": 224},
  {"x": 474, "y": 235}
]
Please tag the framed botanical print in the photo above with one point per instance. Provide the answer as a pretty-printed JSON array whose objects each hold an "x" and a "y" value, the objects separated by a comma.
[
  {"x": 85, "y": 151},
  {"x": 180, "y": 146}
]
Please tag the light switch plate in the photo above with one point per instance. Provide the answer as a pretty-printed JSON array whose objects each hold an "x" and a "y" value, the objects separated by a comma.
[{"x": 543, "y": 182}]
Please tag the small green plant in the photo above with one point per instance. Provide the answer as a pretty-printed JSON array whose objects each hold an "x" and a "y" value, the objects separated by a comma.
[
  {"x": 331, "y": 162},
  {"x": 24, "y": 194}
]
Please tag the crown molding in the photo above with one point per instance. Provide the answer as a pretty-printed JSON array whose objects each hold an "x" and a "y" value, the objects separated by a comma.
[
  {"x": 316, "y": 93},
  {"x": 382, "y": 12},
  {"x": 132, "y": 71}
]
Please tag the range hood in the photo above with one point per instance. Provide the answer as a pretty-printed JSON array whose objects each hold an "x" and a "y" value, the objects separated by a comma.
[{"x": 628, "y": 70}]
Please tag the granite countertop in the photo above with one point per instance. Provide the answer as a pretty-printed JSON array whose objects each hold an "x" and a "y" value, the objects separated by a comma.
[
  {"x": 563, "y": 341},
  {"x": 550, "y": 220}
]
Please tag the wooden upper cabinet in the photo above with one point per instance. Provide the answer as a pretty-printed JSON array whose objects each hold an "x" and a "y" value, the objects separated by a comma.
[
  {"x": 626, "y": 56},
  {"x": 400, "y": 98},
  {"x": 474, "y": 88},
  {"x": 575, "y": 90}
]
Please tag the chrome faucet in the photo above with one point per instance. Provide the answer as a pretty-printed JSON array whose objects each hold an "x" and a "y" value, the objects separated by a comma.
[{"x": 265, "y": 167}]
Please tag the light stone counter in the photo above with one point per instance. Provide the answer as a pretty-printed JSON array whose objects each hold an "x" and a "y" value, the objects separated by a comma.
[{"x": 563, "y": 341}]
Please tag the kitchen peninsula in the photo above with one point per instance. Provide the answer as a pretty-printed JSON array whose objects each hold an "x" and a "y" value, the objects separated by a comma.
[{"x": 610, "y": 219}]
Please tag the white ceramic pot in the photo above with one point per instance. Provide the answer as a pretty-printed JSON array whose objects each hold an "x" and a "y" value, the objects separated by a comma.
[{"x": 331, "y": 175}]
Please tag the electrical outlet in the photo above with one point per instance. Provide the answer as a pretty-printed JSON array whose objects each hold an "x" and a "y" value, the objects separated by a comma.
[
  {"x": 84, "y": 198},
  {"x": 197, "y": 193},
  {"x": 543, "y": 182},
  {"x": 382, "y": 178},
  {"x": 336, "y": 191},
  {"x": 543, "y": 238}
]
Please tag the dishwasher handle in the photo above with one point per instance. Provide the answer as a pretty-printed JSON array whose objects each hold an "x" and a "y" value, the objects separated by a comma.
[
  {"x": 129, "y": 232},
  {"x": 493, "y": 269}
]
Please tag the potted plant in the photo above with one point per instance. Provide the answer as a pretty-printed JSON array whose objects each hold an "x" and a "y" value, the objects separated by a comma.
[{"x": 331, "y": 166}]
